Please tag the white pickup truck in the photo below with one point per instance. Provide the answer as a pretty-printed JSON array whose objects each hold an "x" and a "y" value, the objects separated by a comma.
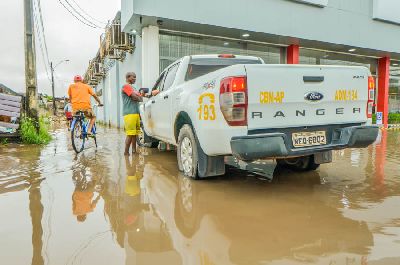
[{"x": 212, "y": 106}]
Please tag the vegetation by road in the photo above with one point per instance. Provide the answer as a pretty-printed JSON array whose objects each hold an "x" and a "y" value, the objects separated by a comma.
[
  {"x": 29, "y": 134},
  {"x": 394, "y": 118}
]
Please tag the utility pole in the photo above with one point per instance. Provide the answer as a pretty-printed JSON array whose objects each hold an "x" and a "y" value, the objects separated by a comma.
[
  {"x": 30, "y": 63},
  {"x": 52, "y": 68},
  {"x": 52, "y": 89}
]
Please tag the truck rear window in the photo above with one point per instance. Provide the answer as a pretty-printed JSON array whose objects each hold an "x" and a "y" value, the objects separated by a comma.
[{"x": 199, "y": 66}]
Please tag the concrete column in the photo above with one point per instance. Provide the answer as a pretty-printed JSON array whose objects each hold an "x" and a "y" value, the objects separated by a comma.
[
  {"x": 118, "y": 93},
  {"x": 105, "y": 107},
  {"x": 383, "y": 88},
  {"x": 150, "y": 55},
  {"x": 293, "y": 54},
  {"x": 380, "y": 163}
]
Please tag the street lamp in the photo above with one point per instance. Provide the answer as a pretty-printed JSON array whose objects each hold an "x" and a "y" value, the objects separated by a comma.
[{"x": 52, "y": 82}]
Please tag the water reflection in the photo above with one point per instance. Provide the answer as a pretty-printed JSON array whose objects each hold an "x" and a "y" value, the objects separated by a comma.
[
  {"x": 344, "y": 213},
  {"x": 36, "y": 213},
  {"x": 241, "y": 221},
  {"x": 380, "y": 161},
  {"x": 26, "y": 177},
  {"x": 88, "y": 189},
  {"x": 134, "y": 221}
]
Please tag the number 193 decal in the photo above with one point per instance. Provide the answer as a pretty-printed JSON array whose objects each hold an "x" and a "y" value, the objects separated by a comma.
[{"x": 206, "y": 111}]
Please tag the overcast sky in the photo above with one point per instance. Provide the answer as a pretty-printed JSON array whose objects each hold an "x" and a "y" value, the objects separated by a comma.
[{"x": 67, "y": 38}]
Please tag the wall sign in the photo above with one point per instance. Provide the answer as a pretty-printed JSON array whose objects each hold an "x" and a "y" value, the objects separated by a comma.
[
  {"x": 321, "y": 3},
  {"x": 379, "y": 118},
  {"x": 387, "y": 10}
]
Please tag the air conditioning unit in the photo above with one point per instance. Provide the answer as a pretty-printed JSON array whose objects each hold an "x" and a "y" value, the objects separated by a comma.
[
  {"x": 98, "y": 69},
  {"x": 127, "y": 42},
  {"x": 115, "y": 54},
  {"x": 86, "y": 77},
  {"x": 103, "y": 47}
]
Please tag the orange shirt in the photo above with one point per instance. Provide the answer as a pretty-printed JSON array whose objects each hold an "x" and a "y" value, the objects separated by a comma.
[
  {"x": 82, "y": 202},
  {"x": 80, "y": 93}
]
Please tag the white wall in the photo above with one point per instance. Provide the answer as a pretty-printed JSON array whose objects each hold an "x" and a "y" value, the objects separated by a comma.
[{"x": 387, "y": 10}]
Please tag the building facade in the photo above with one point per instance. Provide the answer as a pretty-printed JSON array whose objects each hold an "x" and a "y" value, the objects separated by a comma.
[{"x": 318, "y": 32}]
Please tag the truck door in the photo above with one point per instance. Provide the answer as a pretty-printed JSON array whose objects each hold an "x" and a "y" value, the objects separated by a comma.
[
  {"x": 148, "y": 120},
  {"x": 161, "y": 109}
]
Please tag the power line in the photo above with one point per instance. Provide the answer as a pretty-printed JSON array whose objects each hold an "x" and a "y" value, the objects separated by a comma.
[
  {"x": 80, "y": 20},
  {"x": 82, "y": 16},
  {"x": 87, "y": 14},
  {"x": 41, "y": 39},
  {"x": 43, "y": 31},
  {"x": 74, "y": 12}
]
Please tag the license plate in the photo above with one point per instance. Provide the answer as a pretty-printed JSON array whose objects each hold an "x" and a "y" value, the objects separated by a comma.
[{"x": 305, "y": 139}]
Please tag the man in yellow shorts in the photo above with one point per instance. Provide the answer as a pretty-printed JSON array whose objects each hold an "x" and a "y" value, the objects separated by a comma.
[{"x": 130, "y": 111}]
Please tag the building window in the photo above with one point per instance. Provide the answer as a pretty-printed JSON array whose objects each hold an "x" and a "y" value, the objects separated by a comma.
[
  {"x": 314, "y": 57},
  {"x": 394, "y": 88},
  {"x": 173, "y": 47}
]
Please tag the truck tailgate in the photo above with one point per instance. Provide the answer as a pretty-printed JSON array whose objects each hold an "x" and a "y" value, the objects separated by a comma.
[{"x": 282, "y": 96}]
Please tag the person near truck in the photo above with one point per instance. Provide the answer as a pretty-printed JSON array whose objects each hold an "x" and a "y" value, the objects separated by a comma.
[{"x": 130, "y": 110}]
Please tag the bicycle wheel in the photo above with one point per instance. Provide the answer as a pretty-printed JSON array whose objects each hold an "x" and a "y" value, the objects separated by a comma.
[
  {"x": 94, "y": 132},
  {"x": 78, "y": 137}
]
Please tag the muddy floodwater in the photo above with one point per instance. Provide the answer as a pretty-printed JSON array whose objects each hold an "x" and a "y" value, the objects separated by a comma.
[{"x": 102, "y": 208}]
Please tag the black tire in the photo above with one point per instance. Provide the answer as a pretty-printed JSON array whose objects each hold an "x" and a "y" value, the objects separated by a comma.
[
  {"x": 300, "y": 164},
  {"x": 187, "y": 152},
  {"x": 76, "y": 134},
  {"x": 312, "y": 165}
]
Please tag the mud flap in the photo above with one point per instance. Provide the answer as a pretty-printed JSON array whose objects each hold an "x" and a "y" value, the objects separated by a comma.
[
  {"x": 323, "y": 157},
  {"x": 209, "y": 166}
]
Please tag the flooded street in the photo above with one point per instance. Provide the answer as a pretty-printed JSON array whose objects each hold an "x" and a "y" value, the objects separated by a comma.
[{"x": 102, "y": 208}]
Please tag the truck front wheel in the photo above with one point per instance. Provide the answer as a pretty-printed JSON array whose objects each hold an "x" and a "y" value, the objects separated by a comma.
[
  {"x": 304, "y": 163},
  {"x": 143, "y": 140},
  {"x": 187, "y": 152}
]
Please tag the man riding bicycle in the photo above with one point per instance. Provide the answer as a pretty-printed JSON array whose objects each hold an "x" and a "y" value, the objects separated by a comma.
[{"x": 79, "y": 95}]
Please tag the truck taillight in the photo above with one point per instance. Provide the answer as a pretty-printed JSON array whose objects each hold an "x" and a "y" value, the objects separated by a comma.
[
  {"x": 233, "y": 100},
  {"x": 371, "y": 96}
]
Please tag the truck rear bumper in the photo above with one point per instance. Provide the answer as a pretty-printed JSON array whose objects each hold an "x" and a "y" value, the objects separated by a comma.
[{"x": 279, "y": 145}]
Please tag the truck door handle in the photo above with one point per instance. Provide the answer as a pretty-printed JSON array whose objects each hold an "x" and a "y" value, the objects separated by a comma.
[
  {"x": 313, "y": 79},
  {"x": 153, "y": 101},
  {"x": 166, "y": 96}
]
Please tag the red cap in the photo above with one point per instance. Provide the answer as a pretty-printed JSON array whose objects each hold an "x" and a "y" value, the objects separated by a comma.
[{"x": 78, "y": 78}]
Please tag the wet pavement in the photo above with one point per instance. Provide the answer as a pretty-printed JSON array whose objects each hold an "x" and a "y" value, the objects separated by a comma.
[{"x": 101, "y": 208}]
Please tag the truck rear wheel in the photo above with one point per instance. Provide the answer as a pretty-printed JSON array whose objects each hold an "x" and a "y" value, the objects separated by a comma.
[
  {"x": 187, "y": 152},
  {"x": 303, "y": 163}
]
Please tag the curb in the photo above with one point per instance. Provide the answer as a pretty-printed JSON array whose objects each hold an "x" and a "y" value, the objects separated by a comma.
[{"x": 391, "y": 127}]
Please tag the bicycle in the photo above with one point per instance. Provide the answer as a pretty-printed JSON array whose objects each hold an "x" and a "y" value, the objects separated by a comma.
[{"x": 79, "y": 127}]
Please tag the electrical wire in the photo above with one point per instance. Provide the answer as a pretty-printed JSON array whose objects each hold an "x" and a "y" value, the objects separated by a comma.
[
  {"x": 41, "y": 38},
  {"x": 75, "y": 16},
  {"x": 39, "y": 5},
  {"x": 82, "y": 16},
  {"x": 87, "y": 14}
]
